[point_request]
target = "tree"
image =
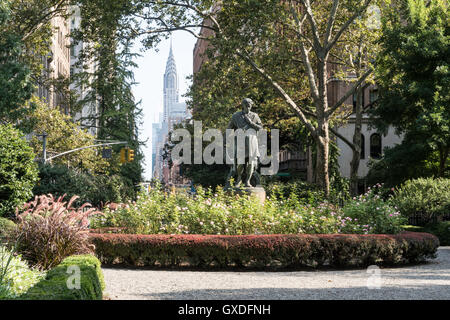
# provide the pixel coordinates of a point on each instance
(18, 171)
(63, 135)
(413, 76)
(361, 48)
(31, 22)
(109, 84)
(313, 32)
(15, 81)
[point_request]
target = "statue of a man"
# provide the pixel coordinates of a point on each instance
(245, 120)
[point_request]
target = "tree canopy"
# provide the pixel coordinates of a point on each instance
(16, 84)
(413, 79)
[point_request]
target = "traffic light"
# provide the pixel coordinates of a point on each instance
(130, 155)
(123, 155)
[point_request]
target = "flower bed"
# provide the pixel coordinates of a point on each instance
(221, 213)
(261, 251)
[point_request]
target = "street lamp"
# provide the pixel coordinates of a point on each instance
(44, 136)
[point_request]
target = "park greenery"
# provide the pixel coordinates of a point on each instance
(299, 37)
(413, 80)
(220, 212)
(18, 170)
(283, 55)
(15, 81)
(16, 277)
(63, 134)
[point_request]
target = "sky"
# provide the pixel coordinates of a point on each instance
(149, 88)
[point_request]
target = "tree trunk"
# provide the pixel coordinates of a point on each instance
(356, 157)
(323, 139)
(443, 155)
(322, 177)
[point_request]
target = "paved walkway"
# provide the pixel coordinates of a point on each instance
(426, 281)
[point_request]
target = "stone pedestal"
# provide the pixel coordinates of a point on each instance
(257, 192)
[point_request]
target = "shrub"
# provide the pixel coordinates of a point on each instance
(440, 230)
(429, 198)
(95, 189)
(50, 230)
(54, 286)
(260, 251)
(16, 277)
(307, 193)
(6, 228)
(18, 171)
(373, 214)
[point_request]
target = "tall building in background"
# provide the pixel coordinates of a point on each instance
(87, 115)
(56, 65)
(175, 112)
(171, 91)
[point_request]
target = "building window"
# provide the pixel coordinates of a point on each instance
(363, 146)
(373, 95)
(375, 146)
(355, 100)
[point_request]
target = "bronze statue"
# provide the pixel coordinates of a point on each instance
(245, 120)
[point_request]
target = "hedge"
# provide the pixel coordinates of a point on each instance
(264, 251)
(54, 286)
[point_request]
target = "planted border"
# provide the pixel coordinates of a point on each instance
(54, 286)
(262, 251)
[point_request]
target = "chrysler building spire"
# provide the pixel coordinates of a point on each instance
(171, 90)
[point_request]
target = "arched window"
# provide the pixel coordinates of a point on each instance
(375, 146)
(363, 146)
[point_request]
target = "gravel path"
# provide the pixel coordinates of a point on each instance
(427, 281)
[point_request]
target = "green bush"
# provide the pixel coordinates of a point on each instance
(18, 171)
(6, 228)
(261, 251)
(54, 286)
(307, 193)
(440, 230)
(16, 277)
(94, 189)
(428, 198)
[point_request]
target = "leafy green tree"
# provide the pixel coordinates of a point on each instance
(311, 32)
(413, 77)
(63, 134)
(31, 21)
(15, 81)
(95, 189)
(223, 80)
(18, 171)
(108, 47)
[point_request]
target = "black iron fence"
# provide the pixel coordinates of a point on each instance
(419, 220)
